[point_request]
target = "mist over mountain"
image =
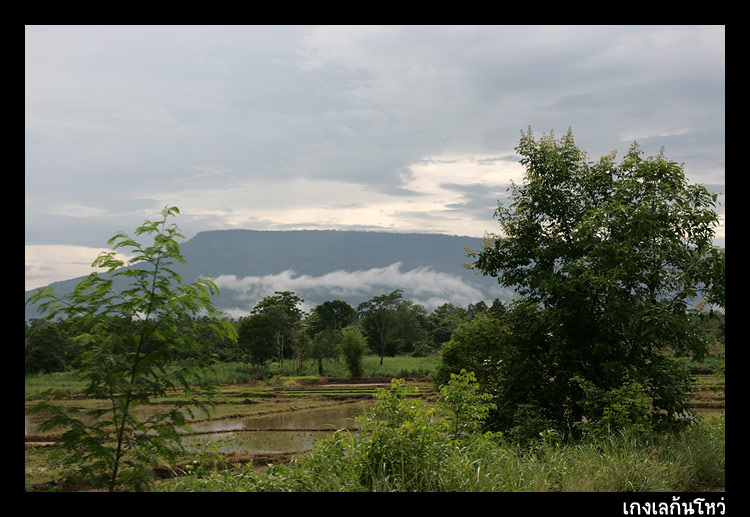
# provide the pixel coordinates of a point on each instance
(322, 265)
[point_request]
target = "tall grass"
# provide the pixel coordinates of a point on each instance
(621, 462)
(617, 462)
(240, 372)
(400, 366)
(393, 367)
(63, 380)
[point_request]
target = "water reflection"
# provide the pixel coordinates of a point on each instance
(288, 431)
(261, 442)
(320, 419)
(32, 422)
(292, 431)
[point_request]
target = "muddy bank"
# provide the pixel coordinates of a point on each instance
(163, 473)
(374, 381)
(225, 462)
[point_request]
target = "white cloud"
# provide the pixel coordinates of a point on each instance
(464, 169)
(77, 210)
(52, 263)
(337, 204)
(423, 285)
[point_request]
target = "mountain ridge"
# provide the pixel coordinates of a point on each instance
(322, 265)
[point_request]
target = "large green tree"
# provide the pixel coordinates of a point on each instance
(282, 313)
(377, 317)
(324, 326)
(444, 320)
(129, 339)
(257, 337)
(393, 324)
(331, 315)
(611, 259)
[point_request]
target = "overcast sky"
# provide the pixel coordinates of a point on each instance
(396, 128)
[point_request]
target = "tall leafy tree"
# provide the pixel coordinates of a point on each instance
(257, 337)
(411, 329)
(614, 257)
(283, 314)
(379, 319)
(130, 338)
(444, 320)
(324, 326)
(331, 315)
(286, 301)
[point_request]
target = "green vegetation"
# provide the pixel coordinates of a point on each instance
(353, 348)
(404, 447)
(689, 460)
(392, 324)
(127, 343)
(606, 259)
(393, 367)
(591, 380)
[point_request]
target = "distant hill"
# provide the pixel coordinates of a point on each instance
(320, 265)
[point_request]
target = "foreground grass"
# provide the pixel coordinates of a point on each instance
(692, 460)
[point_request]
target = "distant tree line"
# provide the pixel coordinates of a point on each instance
(277, 329)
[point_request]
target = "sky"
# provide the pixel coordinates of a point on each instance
(387, 128)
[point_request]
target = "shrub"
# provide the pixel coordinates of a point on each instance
(626, 407)
(468, 407)
(353, 346)
(404, 444)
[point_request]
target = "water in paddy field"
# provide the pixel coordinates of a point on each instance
(291, 431)
(287, 431)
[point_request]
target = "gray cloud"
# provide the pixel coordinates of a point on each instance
(121, 119)
(478, 199)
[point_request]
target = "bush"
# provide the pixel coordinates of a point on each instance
(475, 346)
(467, 406)
(353, 346)
(626, 407)
(404, 443)
(421, 349)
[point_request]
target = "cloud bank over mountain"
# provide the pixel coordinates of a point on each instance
(320, 266)
(422, 285)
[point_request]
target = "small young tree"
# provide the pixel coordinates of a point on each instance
(129, 341)
(468, 406)
(403, 441)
